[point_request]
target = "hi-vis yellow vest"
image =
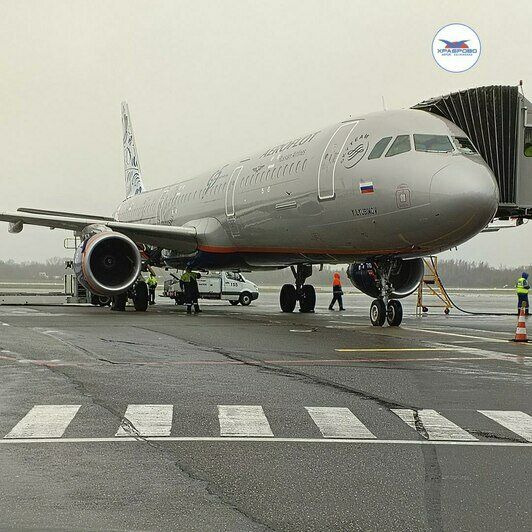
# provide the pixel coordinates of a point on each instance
(520, 286)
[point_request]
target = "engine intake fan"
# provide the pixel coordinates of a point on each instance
(107, 263)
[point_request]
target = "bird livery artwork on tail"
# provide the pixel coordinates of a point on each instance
(134, 184)
(328, 197)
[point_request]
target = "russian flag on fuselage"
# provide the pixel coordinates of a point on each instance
(367, 187)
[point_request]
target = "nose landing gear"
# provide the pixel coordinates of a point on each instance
(304, 293)
(383, 308)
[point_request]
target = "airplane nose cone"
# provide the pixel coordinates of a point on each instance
(464, 196)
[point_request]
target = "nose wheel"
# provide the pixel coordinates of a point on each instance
(380, 313)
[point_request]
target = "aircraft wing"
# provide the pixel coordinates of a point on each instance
(178, 238)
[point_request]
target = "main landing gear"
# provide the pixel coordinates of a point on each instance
(383, 308)
(304, 293)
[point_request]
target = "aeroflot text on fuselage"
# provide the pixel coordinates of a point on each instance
(292, 144)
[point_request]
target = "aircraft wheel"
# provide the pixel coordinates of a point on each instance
(104, 301)
(245, 299)
(377, 313)
(394, 313)
(233, 302)
(308, 299)
(140, 297)
(119, 302)
(287, 298)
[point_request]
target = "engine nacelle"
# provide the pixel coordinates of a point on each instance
(107, 263)
(405, 277)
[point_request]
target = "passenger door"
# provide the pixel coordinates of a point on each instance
(329, 158)
(230, 212)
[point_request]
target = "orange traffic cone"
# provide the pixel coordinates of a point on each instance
(520, 331)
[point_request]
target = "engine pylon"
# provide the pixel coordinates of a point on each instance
(520, 331)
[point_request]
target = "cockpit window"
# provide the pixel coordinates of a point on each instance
(528, 142)
(400, 145)
(465, 145)
(379, 148)
(433, 143)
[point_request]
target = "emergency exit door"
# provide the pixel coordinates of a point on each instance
(329, 159)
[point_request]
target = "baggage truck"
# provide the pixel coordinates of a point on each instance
(230, 286)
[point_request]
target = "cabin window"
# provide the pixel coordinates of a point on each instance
(465, 145)
(400, 145)
(528, 142)
(379, 148)
(433, 143)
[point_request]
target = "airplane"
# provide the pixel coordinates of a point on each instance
(378, 192)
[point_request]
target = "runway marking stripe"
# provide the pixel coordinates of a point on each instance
(264, 439)
(436, 426)
(338, 422)
(147, 420)
(516, 421)
(393, 349)
(248, 421)
(44, 421)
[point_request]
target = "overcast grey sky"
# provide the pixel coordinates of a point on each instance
(209, 81)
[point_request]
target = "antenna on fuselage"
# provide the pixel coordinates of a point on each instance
(383, 104)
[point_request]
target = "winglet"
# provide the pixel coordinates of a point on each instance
(134, 184)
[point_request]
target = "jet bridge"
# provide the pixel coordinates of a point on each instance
(498, 119)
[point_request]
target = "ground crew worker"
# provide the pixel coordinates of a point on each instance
(152, 285)
(189, 283)
(522, 288)
(337, 292)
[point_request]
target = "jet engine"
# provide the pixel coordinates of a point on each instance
(405, 277)
(107, 263)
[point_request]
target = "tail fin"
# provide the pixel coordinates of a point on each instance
(134, 184)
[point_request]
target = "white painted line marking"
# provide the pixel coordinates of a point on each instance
(394, 349)
(44, 421)
(516, 421)
(147, 420)
(338, 422)
(249, 421)
(458, 335)
(6, 325)
(265, 440)
(436, 426)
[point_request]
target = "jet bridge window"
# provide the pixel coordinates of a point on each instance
(528, 142)
(465, 145)
(400, 145)
(379, 148)
(433, 143)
